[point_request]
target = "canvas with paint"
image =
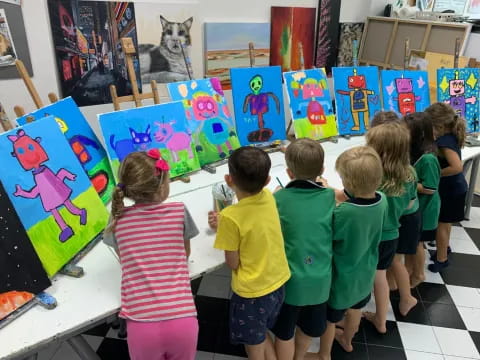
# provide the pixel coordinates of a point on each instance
(8, 54)
(258, 104)
(292, 37)
(357, 98)
(83, 141)
(162, 127)
(227, 47)
(52, 195)
(405, 92)
(209, 120)
(310, 104)
(460, 89)
(21, 273)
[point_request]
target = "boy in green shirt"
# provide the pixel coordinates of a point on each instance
(306, 215)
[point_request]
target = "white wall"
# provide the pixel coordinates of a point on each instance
(13, 92)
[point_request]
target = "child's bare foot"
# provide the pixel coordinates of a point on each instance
(311, 356)
(372, 317)
(339, 336)
(406, 305)
(340, 324)
(416, 280)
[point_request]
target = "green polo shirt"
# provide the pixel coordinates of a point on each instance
(306, 216)
(411, 189)
(357, 231)
(428, 171)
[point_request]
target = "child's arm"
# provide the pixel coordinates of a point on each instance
(213, 220)
(190, 230)
(232, 258)
(424, 191)
(455, 165)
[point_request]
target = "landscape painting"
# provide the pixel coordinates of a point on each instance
(162, 127)
(227, 47)
(52, 195)
(310, 104)
(208, 118)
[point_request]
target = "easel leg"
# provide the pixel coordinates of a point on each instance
(82, 348)
(471, 187)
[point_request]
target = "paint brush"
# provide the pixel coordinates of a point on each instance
(280, 183)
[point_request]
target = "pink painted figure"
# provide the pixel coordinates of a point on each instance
(53, 192)
(174, 141)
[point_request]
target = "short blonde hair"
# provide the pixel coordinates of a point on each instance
(360, 169)
(305, 159)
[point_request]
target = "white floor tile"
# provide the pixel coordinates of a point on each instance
(455, 342)
(93, 341)
(371, 308)
(430, 277)
(314, 346)
(65, 352)
(215, 286)
(471, 318)
(227, 357)
(418, 337)
(202, 355)
(474, 221)
(223, 271)
(463, 246)
(418, 355)
(465, 296)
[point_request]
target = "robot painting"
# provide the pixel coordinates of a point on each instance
(258, 103)
(460, 89)
(405, 92)
(310, 104)
(357, 98)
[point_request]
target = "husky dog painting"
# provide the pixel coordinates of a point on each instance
(165, 62)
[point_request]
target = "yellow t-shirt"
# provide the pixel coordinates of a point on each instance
(252, 227)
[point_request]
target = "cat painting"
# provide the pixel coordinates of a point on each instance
(139, 142)
(165, 63)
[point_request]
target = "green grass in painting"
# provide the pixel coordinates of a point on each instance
(304, 129)
(209, 154)
(185, 165)
(104, 165)
(44, 235)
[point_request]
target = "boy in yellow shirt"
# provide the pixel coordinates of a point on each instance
(251, 236)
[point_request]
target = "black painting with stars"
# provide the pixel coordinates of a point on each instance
(21, 273)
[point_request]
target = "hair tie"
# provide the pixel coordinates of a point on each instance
(160, 165)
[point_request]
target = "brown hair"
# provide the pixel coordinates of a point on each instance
(392, 143)
(360, 169)
(305, 159)
(249, 168)
(445, 120)
(421, 135)
(139, 180)
(384, 117)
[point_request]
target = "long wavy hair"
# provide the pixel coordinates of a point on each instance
(421, 135)
(445, 120)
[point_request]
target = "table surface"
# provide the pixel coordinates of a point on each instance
(95, 296)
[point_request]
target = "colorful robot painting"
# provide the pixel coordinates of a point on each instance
(208, 119)
(310, 104)
(357, 98)
(258, 104)
(405, 92)
(460, 89)
(83, 142)
(56, 203)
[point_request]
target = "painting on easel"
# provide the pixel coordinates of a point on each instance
(83, 141)
(405, 91)
(460, 89)
(21, 272)
(209, 120)
(7, 47)
(162, 127)
(258, 102)
(51, 193)
(357, 98)
(310, 104)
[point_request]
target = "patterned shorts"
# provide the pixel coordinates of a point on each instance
(250, 319)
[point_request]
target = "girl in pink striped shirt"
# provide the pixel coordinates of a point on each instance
(152, 239)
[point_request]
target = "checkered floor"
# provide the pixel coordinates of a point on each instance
(445, 325)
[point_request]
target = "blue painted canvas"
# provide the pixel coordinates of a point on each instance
(460, 89)
(405, 92)
(357, 98)
(310, 104)
(258, 104)
(56, 203)
(208, 118)
(83, 141)
(162, 127)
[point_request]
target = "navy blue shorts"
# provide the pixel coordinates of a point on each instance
(386, 253)
(251, 318)
(410, 231)
(335, 316)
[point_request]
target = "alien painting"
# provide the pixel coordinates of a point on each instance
(83, 141)
(162, 127)
(258, 104)
(405, 92)
(208, 118)
(357, 98)
(54, 199)
(310, 104)
(460, 89)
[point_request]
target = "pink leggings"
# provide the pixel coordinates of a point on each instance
(163, 340)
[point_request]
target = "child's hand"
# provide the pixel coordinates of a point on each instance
(213, 220)
(278, 188)
(323, 181)
(340, 196)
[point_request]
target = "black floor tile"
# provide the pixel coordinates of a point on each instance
(113, 349)
(443, 315)
(100, 330)
(396, 294)
(476, 201)
(436, 293)
(417, 315)
(359, 352)
(207, 335)
(212, 310)
(195, 284)
(474, 235)
(476, 339)
(391, 338)
(455, 275)
(223, 345)
(382, 353)
(458, 260)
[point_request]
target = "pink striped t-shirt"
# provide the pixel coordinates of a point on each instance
(155, 278)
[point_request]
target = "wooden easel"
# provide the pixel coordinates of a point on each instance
(302, 67)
